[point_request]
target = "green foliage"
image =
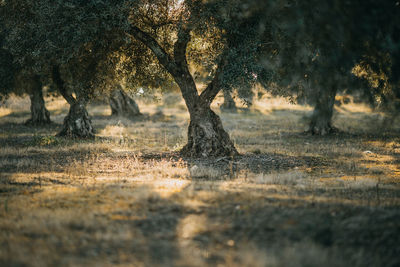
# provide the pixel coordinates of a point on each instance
(294, 48)
(312, 46)
(58, 31)
(7, 72)
(87, 39)
(7, 68)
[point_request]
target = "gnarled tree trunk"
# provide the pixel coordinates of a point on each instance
(229, 103)
(123, 105)
(321, 119)
(206, 135)
(77, 123)
(39, 114)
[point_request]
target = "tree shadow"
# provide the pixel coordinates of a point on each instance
(137, 221)
(17, 115)
(229, 167)
(16, 128)
(275, 224)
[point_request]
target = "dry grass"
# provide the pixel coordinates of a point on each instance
(128, 199)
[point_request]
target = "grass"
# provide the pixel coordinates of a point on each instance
(128, 199)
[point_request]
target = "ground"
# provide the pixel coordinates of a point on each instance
(127, 198)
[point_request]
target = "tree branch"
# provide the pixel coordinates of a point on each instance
(213, 88)
(156, 48)
(61, 85)
(181, 45)
(178, 66)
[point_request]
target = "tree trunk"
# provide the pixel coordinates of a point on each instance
(206, 136)
(123, 105)
(77, 124)
(321, 119)
(229, 103)
(39, 114)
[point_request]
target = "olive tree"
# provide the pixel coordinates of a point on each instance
(188, 20)
(379, 65)
(68, 39)
(122, 104)
(311, 48)
(7, 73)
(84, 45)
(14, 79)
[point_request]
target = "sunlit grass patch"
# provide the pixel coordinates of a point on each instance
(5, 111)
(288, 178)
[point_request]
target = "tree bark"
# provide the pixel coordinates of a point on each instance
(59, 82)
(123, 105)
(321, 119)
(39, 114)
(229, 103)
(206, 136)
(77, 124)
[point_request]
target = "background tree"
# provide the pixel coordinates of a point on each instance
(7, 72)
(380, 65)
(122, 104)
(69, 39)
(18, 81)
(14, 79)
(229, 103)
(32, 84)
(85, 47)
(310, 48)
(307, 54)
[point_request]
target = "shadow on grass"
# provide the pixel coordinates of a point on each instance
(17, 115)
(228, 167)
(127, 223)
(281, 227)
(339, 234)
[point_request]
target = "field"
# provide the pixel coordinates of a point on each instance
(127, 198)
